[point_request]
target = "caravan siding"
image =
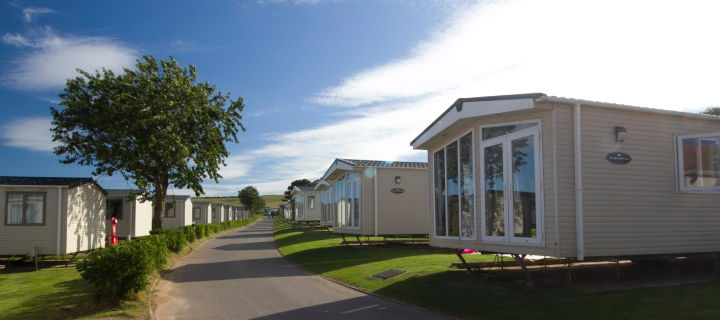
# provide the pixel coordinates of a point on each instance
(17, 240)
(404, 213)
(565, 184)
(86, 222)
(143, 218)
(634, 208)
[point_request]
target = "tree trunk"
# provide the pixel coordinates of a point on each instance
(159, 204)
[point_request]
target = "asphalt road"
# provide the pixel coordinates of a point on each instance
(241, 275)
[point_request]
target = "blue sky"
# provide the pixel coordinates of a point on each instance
(350, 79)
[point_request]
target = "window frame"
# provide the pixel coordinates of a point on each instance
(456, 139)
(311, 205)
(166, 215)
(680, 164)
(24, 217)
(540, 197)
(213, 212)
(122, 203)
(199, 210)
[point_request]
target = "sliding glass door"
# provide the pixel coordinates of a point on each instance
(511, 188)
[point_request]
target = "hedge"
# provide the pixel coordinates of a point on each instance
(116, 271)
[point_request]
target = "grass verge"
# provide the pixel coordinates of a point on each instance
(60, 293)
(430, 284)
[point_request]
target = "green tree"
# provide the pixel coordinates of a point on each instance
(250, 197)
(155, 126)
(299, 183)
(713, 111)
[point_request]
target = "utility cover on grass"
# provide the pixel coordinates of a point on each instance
(388, 274)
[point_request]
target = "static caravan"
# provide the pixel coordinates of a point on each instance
(243, 212)
(217, 210)
(134, 218)
(306, 203)
(227, 210)
(585, 179)
(290, 210)
(178, 212)
(55, 215)
(326, 207)
(378, 198)
(216, 215)
(201, 212)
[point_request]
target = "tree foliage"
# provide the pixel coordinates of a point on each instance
(713, 111)
(250, 197)
(155, 126)
(299, 183)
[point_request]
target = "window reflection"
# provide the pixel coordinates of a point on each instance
(494, 191)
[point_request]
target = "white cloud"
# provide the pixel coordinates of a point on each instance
(29, 133)
(53, 58)
(31, 12)
(641, 52)
(651, 54)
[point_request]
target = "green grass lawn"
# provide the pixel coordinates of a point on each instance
(271, 201)
(430, 284)
(48, 294)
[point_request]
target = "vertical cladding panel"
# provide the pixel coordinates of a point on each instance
(86, 224)
(143, 218)
(17, 240)
(634, 208)
(565, 163)
(407, 212)
(187, 213)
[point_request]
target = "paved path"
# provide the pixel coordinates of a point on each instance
(240, 275)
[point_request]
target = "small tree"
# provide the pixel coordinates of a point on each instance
(250, 197)
(713, 111)
(298, 183)
(154, 126)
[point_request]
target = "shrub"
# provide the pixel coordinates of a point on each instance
(117, 270)
(175, 239)
(199, 231)
(189, 233)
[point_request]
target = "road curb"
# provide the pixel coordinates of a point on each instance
(347, 285)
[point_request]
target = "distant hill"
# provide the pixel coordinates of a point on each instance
(272, 201)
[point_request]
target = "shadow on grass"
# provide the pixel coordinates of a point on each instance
(68, 299)
(459, 294)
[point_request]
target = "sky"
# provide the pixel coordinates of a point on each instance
(326, 79)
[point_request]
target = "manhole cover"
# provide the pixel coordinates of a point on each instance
(388, 274)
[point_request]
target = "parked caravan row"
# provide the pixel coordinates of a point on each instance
(68, 215)
(539, 175)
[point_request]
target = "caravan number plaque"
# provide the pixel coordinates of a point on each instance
(618, 158)
(397, 190)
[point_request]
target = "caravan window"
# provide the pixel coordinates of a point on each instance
(113, 208)
(699, 162)
(311, 202)
(196, 213)
(454, 189)
(25, 209)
